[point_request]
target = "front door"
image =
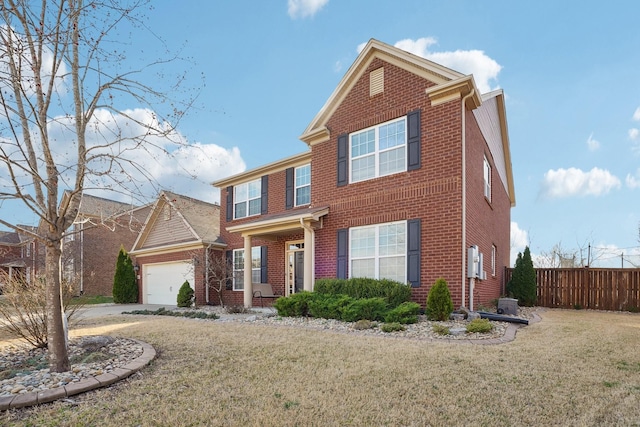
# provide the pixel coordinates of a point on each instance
(295, 267)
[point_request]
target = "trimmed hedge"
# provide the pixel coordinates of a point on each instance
(405, 313)
(394, 293)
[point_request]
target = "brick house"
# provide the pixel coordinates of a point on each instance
(180, 237)
(407, 167)
(91, 245)
(18, 254)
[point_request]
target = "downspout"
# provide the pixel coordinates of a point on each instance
(464, 195)
(206, 274)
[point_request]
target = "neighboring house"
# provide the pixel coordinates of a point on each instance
(408, 165)
(180, 236)
(18, 254)
(91, 245)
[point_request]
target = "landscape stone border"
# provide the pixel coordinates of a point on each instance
(87, 384)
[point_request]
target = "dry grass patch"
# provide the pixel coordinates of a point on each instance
(573, 368)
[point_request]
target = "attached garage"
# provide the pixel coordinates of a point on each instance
(161, 282)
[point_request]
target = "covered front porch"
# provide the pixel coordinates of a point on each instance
(299, 255)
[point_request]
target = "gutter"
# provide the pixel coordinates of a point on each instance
(464, 195)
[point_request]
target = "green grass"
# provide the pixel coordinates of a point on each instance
(89, 300)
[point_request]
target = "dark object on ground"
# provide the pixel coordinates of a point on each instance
(508, 306)
(501, 318)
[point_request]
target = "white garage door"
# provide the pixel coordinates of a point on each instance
(162, 281)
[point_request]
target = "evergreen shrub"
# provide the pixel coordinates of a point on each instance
(439, 303)
(405, 313)
(365, 308)
(522, 285)
(125, 286)
(395, 293)
(296, 305)
(185, 295)
(328, 306)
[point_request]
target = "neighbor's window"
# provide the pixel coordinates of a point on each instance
(303, 185)
(379, 251)
(246, 199)
(238, 267)
(379, 150)
(487, 179)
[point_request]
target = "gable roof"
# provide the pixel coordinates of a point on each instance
(196, 222)
(450, 80)
(100, 207)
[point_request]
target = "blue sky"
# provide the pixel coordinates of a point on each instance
(570, 71)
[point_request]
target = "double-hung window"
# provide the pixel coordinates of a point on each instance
(247, 199)
(379, 251)
(378, 151)
(487, 179)
(238, 267)
(303, 185)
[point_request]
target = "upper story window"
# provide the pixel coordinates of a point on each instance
(487, 179)
(378, 151)
(247, 199)
(303, 185)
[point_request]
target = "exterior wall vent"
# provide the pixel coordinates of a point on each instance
(376, 81)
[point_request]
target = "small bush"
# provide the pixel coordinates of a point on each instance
(125, 286)
(395, 293)
(522, 285)
(328, 306)
(235, 309)
(392, 327)
(439, 303)
(405, 313)
(365, 308)
(364, 324)
(185, 295)
(440, 329)
(479, 325)
(295, 305)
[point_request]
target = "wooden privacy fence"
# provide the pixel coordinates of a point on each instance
(595, 288)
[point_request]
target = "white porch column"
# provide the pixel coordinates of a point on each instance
(309, 258)
(248, 286)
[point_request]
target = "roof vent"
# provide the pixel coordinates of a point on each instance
(376, 81)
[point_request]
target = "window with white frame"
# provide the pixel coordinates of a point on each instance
(378, 151)
(493, 259)
(487, 179)
(246, 199)
(303, 185)
(379, 251)
(238, 267)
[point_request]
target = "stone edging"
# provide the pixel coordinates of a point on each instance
(87, 384)
(509, 334)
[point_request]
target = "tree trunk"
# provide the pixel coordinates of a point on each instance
(56, 332)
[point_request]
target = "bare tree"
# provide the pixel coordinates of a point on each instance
(219, 272)
(62, 80)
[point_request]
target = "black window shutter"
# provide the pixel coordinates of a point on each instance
(230, 203)
(343, 250)
(229, 259)
(263, 265)
(413, 140)
(289, 188)
(264, 186)
(413, 252)
(343, 160)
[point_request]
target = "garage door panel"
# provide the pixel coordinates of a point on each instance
(163, 281)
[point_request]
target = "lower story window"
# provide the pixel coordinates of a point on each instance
(238, 267)
(379, 251)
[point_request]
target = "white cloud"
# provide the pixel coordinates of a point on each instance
(633, 181)
(592, 143)
(636, 115)
(485, 70)
(634, 133)
(519, 240)
(145, 162)
(304, 8)
(575, 182)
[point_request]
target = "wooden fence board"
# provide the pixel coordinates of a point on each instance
(595, 288)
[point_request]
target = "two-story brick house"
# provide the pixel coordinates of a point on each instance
(407, 166)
